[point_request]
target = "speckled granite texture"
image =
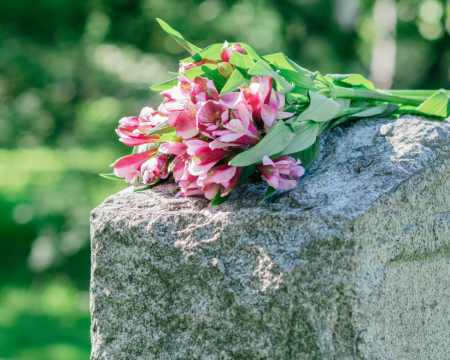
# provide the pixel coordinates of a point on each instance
(349, 265)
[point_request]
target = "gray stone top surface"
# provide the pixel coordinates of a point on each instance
(299, 277)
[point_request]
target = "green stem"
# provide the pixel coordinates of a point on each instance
(424, 94)
(348, 93)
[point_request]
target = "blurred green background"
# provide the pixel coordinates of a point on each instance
(70, 69)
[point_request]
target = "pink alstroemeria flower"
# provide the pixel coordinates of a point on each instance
(149, 118)
(263, 101)
(182, 102)
(172, 148)
(179, 166)
(226, 51)
(281, 173)
(256, 96)
(223, 178)
(128, 166)
(155, 168)
(131, 134)
(209, 118)
(184, 121)
(274, 109)
(189, 188)
(203, 157)
(239, 130)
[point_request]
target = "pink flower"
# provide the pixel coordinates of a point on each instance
(131, 134)
(182, 102)
(274, 109)
(203, 157)
(230, 100)
(155, 168)
(262, 100)
(179, 167)
(203, 89)
(184, 121)
(239, 130)
(281, 173)
(128, 166)
(226, 51)
(223, 178)
(189, 188)
(256, 96)
(149, 118)
(172, 148)
(210, 116)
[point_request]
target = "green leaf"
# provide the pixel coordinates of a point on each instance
(355, 80)
(211, 52)
(301, 81)
(246, 173)
(345, 103)
(318, 77)
(274, 142)
(242, 62)
(145, 147)
(111, 177)
(234, 82)
(305, 136)
(269, 192)
(308, 156)
(283, 61)
(178, 37)
(162, 128)
(165, 85)
(169, 137)
(436, 105)
(320, 109)
(209, 71)
(218, 199)
(252, 53)
(380, 110)
(263, 69)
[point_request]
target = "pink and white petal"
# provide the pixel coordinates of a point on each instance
(268, 161)
(216, 144)
(297, 172)
(198, 169)
(223, 173)
(280, 97)
(244, 115)
(210, 191)
(186, 132)
(131, 163)
(229, 100)
(230, 137)
(172, 148)
(286, 184)
(271, 178)
(193, 192)
(283, 115)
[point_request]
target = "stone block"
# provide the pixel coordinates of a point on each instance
(351, 264)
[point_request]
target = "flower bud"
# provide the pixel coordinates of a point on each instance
(225, 69)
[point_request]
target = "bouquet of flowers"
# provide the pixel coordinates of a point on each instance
(231, 112)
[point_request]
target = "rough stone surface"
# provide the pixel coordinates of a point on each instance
(349, 265)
